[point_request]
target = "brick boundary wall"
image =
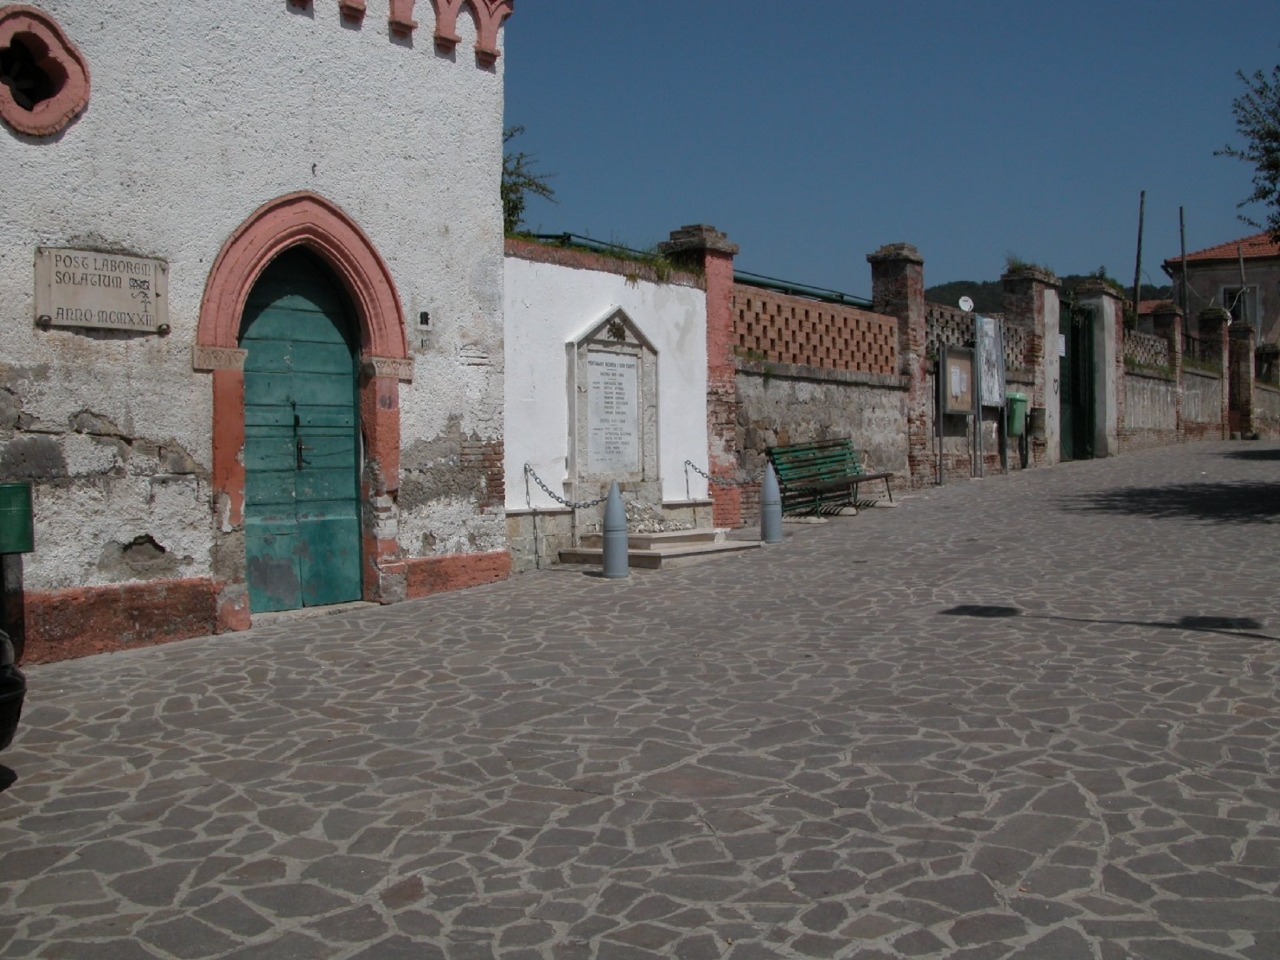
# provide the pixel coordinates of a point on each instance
(1147, 350)
(946, 327)
(780, 328)
(1016, 340)
(1266, 410)
(578, 259)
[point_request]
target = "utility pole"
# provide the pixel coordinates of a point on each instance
(1186, 294)
(1137, 270)
(1242, 298)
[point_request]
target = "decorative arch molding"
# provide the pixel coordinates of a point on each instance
(303, 219)
(308, 220)
(488, 15)
(53, 55)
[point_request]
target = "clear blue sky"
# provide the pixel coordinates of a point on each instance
(814, 132)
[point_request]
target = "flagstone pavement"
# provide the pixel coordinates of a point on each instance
(1025, 717)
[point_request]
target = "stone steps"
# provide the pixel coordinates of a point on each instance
(656, 551)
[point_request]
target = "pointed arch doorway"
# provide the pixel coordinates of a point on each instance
(301, 445)
(354, 275)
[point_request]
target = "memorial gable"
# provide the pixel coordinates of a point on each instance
(614, 407)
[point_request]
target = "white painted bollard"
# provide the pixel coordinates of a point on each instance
(616, 564)
(770, 507)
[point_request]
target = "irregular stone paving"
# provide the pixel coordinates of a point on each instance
(807, 751)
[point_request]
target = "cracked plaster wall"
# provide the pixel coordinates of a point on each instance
(199, 114)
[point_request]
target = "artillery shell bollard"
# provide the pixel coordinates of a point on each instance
(615, 535)
(770, 507)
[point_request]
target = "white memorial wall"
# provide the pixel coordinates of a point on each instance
(555, 325)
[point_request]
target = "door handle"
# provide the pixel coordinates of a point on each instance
(299, 446)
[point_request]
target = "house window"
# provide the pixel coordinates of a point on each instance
(1241, 303)
(28, 83)
(44, 81)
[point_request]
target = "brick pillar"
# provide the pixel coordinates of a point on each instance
(897, 290)
(1243, 344)
(1031, 302)
(1213, 331)
(708, 250)
(1166, 322)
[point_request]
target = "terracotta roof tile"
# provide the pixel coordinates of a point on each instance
(1258, 246)
(1149, 306)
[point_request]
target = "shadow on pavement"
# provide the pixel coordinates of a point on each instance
(8, 777)
(1224, 626)
(1269, 454)
(1211, 502)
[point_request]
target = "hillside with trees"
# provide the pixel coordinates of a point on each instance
(988, 295)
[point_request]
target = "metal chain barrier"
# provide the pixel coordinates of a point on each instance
(571, 504)
(717, 480)
(583, 504)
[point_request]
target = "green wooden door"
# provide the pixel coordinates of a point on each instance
(1075, 377)
(301, 451)
(1066, 401)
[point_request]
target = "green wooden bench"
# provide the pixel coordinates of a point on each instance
(821, 476)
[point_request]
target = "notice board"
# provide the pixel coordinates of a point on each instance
(957, 380)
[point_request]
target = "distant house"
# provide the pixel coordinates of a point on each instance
(1214, 280)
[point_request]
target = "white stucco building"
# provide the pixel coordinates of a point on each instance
(606, 379)
(195, 197)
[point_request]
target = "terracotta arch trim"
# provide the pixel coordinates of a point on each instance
(488, 15)
(58, 57)
(308, 220)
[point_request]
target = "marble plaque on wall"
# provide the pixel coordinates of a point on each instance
(613, 413)
(110, 291)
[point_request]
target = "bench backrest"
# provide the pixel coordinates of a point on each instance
(803, 463)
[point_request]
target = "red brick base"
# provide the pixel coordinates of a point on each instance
(428, 575)
(76, 622)
(726, 511)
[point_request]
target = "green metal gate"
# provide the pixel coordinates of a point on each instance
(301, 452)
(1076, 382)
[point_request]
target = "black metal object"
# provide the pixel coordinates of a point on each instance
(13, 619)
(13, 690)
(17, 536)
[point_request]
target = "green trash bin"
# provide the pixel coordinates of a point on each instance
(16, 533)
(1017, 413)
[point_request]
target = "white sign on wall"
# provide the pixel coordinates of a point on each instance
(990, 334)
(613, 413)
(112, 291)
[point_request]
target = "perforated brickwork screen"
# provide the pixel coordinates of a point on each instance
(1146, 350)
(784, 329)
(1015, 347)
(950, 327)
(946, 327)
